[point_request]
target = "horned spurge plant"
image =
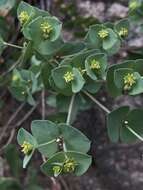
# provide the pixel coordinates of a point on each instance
(72, 73)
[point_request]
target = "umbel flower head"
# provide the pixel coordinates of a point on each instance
(46, 29)
(68, 76)
(129, 81)
(23, 17)
(69, 165)
(26, 147)
(123, 32)
(103, 33)
(95, 64)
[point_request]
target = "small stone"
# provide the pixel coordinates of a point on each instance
(117, 10)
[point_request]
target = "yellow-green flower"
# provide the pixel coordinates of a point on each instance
(68, 76)
(69, 165)
(129, 81)
(46, 29)
(103, 33)
(123, 32)
(23, 17)
(95, 64)
(26, 147)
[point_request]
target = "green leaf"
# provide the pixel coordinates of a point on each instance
(121, 120)
(45, 133)
(69, 48)
(135, 122)
(83, 162)
(111, 39)
(12, 157)
(19, 92)
(74, 139)
(27, 53)
(92, 38)
(58, 117)
(92, 86)
(49, 48)
(22, 136)
(115, 48)
(102, 61)
(78, 81)
(24, 84)
(115, 121)
(27, 159)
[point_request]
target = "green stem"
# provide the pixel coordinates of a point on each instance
(134, 133)
(97, 102)
(44, 144)
(70, 110)
(12, 45)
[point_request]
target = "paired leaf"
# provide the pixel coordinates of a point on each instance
(118, 122)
